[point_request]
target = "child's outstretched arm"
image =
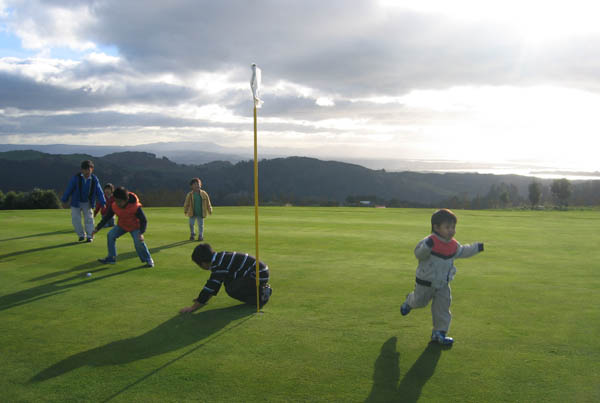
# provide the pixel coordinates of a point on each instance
(423, 248)
(465, 251)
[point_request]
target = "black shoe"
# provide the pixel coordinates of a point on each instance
(89, 240)
(108, 260)
(81, 238)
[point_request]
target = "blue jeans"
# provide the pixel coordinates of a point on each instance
(200, 226)
(140, 246)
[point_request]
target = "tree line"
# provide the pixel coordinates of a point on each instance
(504, 195)
(297, 181)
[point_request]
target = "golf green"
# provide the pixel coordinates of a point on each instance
(525, 312)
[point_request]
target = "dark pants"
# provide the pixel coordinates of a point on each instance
(244, 289)
(110, 223)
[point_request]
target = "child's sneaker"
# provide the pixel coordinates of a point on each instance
(440, 337)
(405, 309)
(192, 237)
(266, 293)
(108, 260)
(150, 263)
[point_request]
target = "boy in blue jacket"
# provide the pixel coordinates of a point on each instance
(436, 255)
(85, 190)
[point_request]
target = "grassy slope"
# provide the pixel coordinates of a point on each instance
(525, 313)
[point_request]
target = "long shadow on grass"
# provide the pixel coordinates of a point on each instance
(387, 373)
(177, 332)
(88, 265)
(23, 252)
(65, 231)
(56, 287)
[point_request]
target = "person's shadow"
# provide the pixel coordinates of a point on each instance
(179, 331)
(387, 374)
(56, 287)
(65, 231)
(94, 263)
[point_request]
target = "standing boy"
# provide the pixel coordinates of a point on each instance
(436, 255)
(236, 270)
(197, 206)
(84, 189)
(109, 188)
(132, 219)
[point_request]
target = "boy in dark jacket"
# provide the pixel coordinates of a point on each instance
(132, 219)
(237, 271)
(84, 190)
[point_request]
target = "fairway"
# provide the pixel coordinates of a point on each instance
(526, 314)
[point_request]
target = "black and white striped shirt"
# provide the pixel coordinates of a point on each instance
(227, 267)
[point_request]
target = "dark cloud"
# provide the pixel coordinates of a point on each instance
(345, 47)
(17, 91)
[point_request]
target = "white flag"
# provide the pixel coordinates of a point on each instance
(255, 85)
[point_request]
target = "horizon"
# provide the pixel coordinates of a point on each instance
(406, 79)
(182, 156)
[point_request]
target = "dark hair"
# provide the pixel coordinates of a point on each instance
(202, 253)
(109, 185)
(121, 193)
(441, 216)
(196, 180)
(87, 164)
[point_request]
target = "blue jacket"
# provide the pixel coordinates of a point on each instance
(74, 191)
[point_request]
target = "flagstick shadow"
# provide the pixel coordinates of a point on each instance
(175, 333)
(387, 373)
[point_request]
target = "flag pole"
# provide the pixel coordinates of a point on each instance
(255, 86)
(256, 213)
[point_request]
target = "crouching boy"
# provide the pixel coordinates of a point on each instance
(128, 209)
(237, 271)
(436, 255)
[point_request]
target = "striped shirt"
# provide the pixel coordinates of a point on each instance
(227, 267)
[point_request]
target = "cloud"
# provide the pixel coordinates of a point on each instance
(348, 72)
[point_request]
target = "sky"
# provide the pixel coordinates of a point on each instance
(481, 81)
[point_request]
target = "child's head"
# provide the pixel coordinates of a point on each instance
(121, 196)
(87, 167)
(202, 255)
(109, 188)
(196, 184)
(444, 222)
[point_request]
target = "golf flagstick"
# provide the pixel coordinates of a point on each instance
(255, 85)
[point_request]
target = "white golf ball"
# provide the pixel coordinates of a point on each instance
(88, 274)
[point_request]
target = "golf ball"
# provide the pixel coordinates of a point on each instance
(88, 274)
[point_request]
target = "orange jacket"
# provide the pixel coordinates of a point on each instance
(127, 216)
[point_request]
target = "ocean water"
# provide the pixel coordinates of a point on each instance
(537, 170)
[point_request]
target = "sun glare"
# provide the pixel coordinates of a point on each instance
(535, 21)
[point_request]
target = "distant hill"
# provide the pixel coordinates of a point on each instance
(296, 180)
(180, 152)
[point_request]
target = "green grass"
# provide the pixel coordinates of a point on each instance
(526, 312)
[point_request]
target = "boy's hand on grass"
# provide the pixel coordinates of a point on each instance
(192, 308)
